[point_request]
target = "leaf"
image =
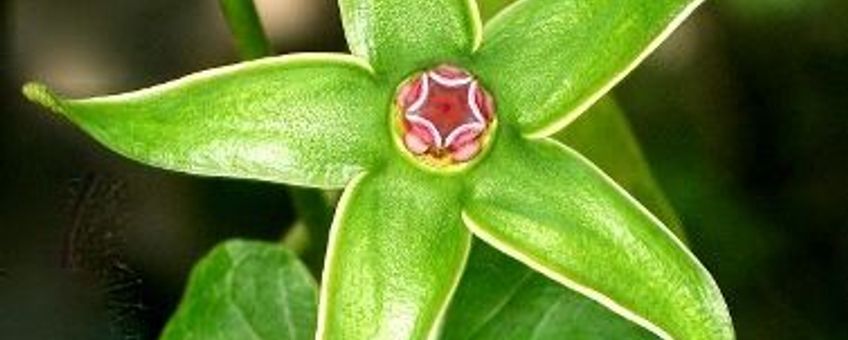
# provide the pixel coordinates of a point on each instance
(400, 36)
(287, 119)
(547, 61)
(397, 249)
(503, 298)
(603, 134)
(500, 298)
(563, 217)
(246, 290)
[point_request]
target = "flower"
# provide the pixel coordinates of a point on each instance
(444, 113)
(422, 183)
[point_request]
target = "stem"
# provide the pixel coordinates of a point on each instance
(310, 204)
(316, 216)
(247, 31)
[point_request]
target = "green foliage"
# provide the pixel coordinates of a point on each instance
(501, 298)
(400, 237)
(247, 290)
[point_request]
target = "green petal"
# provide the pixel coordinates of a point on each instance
(246, 290)
(489, 8)
(500, 298)
(548, 207)
(396, 252)
(400, 36)
(547, 61)
(312, 120)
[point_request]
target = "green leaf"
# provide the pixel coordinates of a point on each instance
(500, 298)
(246, 290)
(547, 61)
(551, 209)
(399, 36)
(603, 134)
(310, 120)
(397, 249)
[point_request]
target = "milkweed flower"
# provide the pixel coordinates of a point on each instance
(437, 130)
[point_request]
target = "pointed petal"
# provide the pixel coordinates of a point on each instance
(312, 120)
(396, 253)
(563, 217)
(604, 135)
(399, 36)
(547, 61)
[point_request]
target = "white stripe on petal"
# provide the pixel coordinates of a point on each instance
(475, 126)
(472, 103)
(422, 96)
(437, 137)
(449, 82)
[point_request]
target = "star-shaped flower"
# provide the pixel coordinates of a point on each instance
(437, 129)
(445, 111)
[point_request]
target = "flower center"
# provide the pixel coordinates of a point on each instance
(445, 114)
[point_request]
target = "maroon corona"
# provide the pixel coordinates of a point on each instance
(445, 114)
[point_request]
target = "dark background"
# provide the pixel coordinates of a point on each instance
(743, 115)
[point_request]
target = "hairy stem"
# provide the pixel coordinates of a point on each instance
(246, 28)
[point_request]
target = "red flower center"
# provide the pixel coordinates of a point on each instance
(445, 112)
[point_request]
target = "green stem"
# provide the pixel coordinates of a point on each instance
(316, 215)
(246, 28)
(310, 204)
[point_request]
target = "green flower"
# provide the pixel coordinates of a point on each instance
(411, 208)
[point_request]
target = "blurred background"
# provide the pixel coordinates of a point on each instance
(743, 115)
